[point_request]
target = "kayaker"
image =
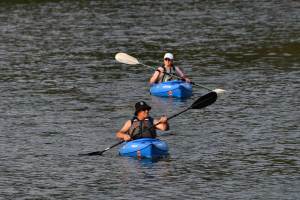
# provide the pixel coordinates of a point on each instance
(168, 67)
(139, 125)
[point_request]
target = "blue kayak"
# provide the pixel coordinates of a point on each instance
(176, 88)
(144, 148)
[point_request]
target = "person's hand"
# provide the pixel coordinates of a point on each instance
(126, 137)
(187, 80)
(163, 119)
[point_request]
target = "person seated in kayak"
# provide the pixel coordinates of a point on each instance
(160, 75)
(140, 125)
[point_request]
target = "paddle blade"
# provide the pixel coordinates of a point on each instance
(126, 59)
(219, 91)
(205, 100)
(99, 153)
(95, 153)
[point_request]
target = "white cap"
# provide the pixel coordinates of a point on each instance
(169, 55)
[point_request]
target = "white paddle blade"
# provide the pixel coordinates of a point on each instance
(219, 91)
(126, 59)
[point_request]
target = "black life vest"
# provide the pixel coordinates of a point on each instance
(140, 128)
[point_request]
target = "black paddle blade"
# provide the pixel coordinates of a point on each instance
(99, 153)
(205, 100)
(95, 153)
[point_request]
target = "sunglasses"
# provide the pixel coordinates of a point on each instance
(167, 59)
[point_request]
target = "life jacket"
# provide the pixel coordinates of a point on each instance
(140, 129)
(167, 77)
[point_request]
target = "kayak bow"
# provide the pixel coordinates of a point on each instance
(176, 88)
(144, 148)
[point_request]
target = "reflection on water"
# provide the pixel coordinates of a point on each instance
(135, 163)
(165, 105)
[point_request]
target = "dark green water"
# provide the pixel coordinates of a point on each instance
(62, 93)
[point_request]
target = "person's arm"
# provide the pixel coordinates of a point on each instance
(155, 76)
(182, 75)
(122, 134)
(163, 124)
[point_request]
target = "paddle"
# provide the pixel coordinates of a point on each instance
(127, 59)
(202, 102)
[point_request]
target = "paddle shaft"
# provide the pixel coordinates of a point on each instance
(199, 103)
(193, 83)
(127, 59)
(120, 142)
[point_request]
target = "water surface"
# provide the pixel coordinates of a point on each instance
(62, 93)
